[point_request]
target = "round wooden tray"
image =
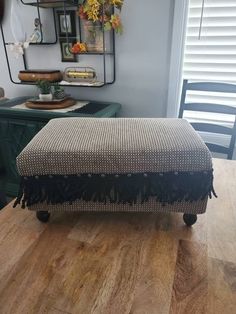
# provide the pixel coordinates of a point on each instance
(68, 102)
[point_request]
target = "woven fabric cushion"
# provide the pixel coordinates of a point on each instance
(145, 164)
(197, 207)
(126, 145)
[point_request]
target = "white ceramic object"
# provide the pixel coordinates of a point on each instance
(45, 97)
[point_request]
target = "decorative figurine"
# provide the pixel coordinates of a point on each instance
(36, 37)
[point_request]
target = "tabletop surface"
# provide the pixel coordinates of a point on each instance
(7, 109)
(122, 263)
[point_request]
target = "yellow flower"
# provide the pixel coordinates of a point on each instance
(83, 47)
(93, 3)
(92, 9)
(92, 15)
(118, 3)
(96, 10)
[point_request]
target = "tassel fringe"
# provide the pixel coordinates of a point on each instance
(166, 188)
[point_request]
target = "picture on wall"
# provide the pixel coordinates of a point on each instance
(67, 23)
(66, 55)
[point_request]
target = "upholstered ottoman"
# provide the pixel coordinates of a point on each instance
(89, 164)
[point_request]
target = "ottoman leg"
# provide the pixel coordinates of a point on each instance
(43, 216)
(189, 219)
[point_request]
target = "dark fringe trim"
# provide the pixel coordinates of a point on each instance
(167, 188)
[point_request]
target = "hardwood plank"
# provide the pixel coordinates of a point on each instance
(15, 239)
(222, 287)
(221, 213)
(139, 263)
(125, 236)
(79, 277)
(34, 271)
(153, 291)
(21, 217)
(190, 284)
(173, 223)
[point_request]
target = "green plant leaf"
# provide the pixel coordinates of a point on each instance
(107, 26)
(44, 86)
(119, 30)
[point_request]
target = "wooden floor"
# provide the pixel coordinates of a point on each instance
(122, 263)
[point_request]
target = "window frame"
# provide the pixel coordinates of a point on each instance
(177, 57)
(176, 67)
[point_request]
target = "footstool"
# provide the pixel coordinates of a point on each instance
(125, 164)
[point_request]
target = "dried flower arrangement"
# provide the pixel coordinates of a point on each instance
(102, 10)
(99, 11)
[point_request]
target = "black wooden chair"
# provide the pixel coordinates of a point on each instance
(211, 108)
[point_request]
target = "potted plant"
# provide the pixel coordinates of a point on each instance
(58, 92)
(45, 90)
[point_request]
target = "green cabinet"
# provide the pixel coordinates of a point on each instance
(19, 126)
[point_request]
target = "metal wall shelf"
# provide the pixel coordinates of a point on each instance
(96, 84)
(65, 4)
(51, 4)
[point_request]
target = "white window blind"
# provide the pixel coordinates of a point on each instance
(212, 57)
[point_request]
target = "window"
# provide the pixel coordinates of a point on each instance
(210, 51)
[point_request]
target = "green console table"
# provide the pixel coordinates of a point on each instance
(19, 126)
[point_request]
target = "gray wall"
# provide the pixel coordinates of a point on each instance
(143, 58)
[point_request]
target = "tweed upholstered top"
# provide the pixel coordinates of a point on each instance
(91, 149)
(87, 145)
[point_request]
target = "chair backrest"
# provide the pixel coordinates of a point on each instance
(211, 108)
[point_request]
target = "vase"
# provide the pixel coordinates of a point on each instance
(45, 97)
(93, 36)
(59, 94)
